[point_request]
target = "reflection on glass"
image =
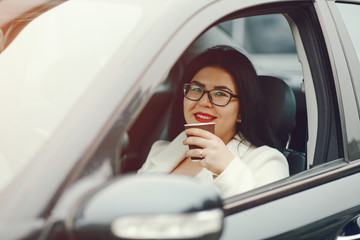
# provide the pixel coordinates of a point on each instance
(351, 17)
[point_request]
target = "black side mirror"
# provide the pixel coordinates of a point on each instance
(149, 206)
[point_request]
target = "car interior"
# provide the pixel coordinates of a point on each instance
(162, 118)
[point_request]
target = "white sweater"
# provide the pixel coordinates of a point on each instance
(252, 167)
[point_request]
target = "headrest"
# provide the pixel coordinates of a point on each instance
(280, 105)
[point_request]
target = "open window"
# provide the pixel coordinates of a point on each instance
(276, 44)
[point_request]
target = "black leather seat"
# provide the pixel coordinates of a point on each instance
(281, 107)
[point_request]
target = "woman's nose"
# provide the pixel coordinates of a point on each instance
(205, 100)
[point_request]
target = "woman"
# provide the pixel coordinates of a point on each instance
(222, 87)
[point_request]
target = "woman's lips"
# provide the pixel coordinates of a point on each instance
(204, 117)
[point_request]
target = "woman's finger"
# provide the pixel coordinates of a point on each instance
(197, 141)
(195, 153)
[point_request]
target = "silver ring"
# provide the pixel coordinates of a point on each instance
(201, 156)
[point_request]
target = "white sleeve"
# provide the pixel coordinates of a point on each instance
(164, 155)
(156, 148)
(261, 166)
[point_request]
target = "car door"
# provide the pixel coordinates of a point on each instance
(320, 202)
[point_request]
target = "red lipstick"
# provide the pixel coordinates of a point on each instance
(204, 117)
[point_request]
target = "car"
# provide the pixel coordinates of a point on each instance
(87, 86)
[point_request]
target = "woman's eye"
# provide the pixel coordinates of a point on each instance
(220, 93)
(196, 89)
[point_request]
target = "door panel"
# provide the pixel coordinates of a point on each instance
(317, 213)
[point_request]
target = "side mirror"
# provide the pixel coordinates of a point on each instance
(149, 206)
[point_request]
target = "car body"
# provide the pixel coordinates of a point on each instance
(86, 87)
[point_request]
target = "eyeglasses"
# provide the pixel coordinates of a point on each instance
(217, 97)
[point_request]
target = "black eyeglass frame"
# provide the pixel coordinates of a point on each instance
(208, 93)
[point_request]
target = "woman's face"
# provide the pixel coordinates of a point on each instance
(201, 111)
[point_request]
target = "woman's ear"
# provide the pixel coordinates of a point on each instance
(238, 119)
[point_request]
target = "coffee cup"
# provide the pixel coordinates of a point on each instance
(206, 126)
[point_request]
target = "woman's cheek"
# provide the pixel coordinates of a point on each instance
(186, 110)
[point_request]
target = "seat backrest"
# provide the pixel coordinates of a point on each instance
(280, 104)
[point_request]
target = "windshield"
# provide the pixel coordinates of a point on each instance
(46, 69)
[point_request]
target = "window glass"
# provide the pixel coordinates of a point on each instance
(351, 17)
(51, 73)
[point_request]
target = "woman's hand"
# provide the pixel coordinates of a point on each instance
(216, 156)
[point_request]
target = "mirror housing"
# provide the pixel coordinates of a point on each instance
(149, 206)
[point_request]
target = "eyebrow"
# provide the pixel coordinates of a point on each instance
(216, 87)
